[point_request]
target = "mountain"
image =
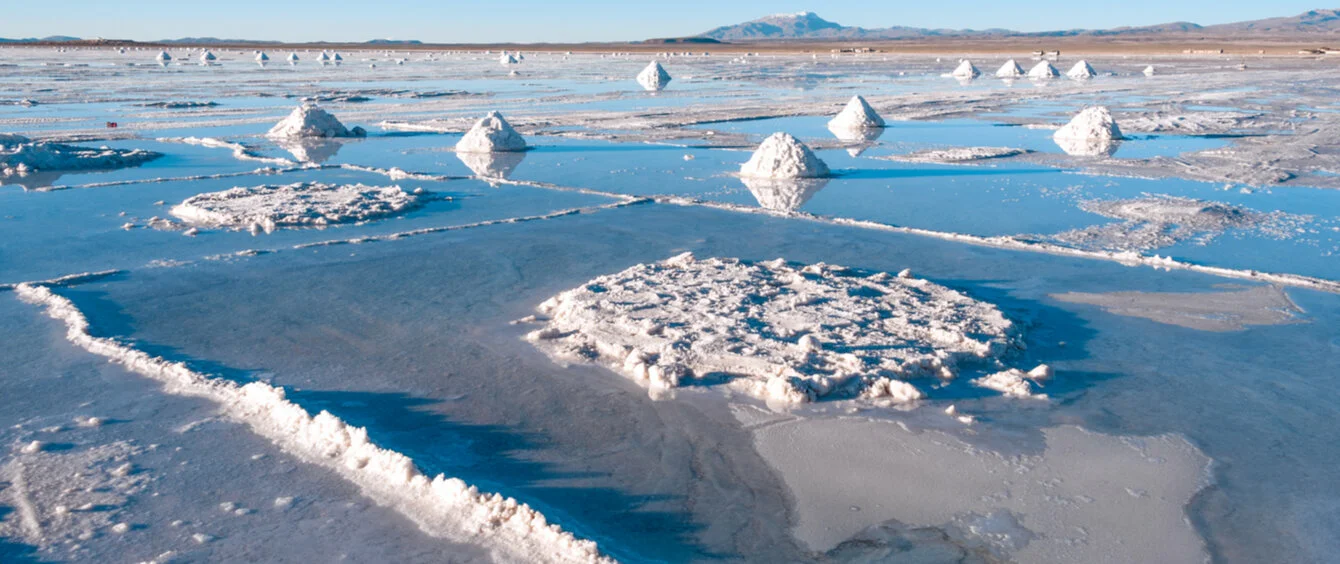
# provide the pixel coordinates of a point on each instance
(50, 39)
(809, 26)
(395, 42)
(212, 41)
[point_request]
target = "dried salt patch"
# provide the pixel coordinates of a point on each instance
(492, 134)
(779, 332)
(1014, 383)
(654, 77)
(856, 115)
(1043, 70)
(283, 502)
(33, 447)
(1081, 70)
(491, 167)
(120, 528)
(1156, 221)
(784, 156)
(960, 154)
(966, 70)
(20, 157)
(266, 208)
(1010, 69)
(309, 120)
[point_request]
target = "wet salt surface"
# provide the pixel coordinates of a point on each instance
(410, 337)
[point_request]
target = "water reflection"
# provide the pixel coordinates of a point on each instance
(1094, 147)
(497, 166)
(311, 150)
(784, 195)
(859, 140)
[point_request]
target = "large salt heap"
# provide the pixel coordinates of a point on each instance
(1081, 70)
(308, 120)
(1092, 132)
(653, 77)
(1010, 69)
(856, 116)
(491, 135)
(1043, 70)
(966, 70)
(784, 156)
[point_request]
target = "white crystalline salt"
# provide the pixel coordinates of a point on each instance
(207, 57)
(491, 135)
(309, 120)
(163, 56)
(1091, 132)
(653, 77)
(784, 156)
(1010, 69)
(266, 208)
(1043, 70)
(20, 156)
(1015, 383)
(966, 70)
(856, 115)
(1081, 70)
(262, 57)
(507, 59)
(1149, 70)
(292, 57)
(772, 330)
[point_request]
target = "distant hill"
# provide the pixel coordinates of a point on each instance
(1315, 21)
(51, 39)
(395, 42)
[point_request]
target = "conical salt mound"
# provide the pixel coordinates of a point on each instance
(207, 57)
(1010, 69)
(262, 57)
(308, 120)
(857, 115)
(1149, 70)
(1043, 70)
(783, 156)
(491, 135)
(323, 57)
(1092, 123)
(292, 57)
(1081, 70)
(507, 59)
(966, 70)
(653, 77)
(164, 56)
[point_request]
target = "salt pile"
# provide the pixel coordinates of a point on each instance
(779, 332)
(653, 77)
(856, 116)
(163, 57)
(266, 208)
(966, 70)
(261, 57)
(323, 57)
(1043, 70)
(507, 59)
(783, 195)
(1092, 132)
(491, 135)
(1149, 70)
(292, 57)
(1081, 70)
(20, 156)
(783, 156)
(1010, 69)
(207, 57)
(309, 120)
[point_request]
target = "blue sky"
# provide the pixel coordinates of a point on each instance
(577, 20)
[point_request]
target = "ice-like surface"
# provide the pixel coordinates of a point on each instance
(492, 134)
(782, 156)
(960, 154)
(779, 332)
(856, 115)
(309, 120)
(1229, 310)
(1010, 69)
(304, 204)
(654, 77)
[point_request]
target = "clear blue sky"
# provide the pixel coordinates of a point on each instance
(577, 20)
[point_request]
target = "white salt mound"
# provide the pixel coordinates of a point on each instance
(1043, 70)
(309, 120)
(266, 208)
(784, 156)
(491, 135)
(207, 57)
(507, 60)
(779, 332)
(292, 57)
(1081, 70)
(262, 57)
(1010, 69)
(966, 70)
(1092, 123)
(857, 115)
(653, 77)
(163, 56)
(1149, 70)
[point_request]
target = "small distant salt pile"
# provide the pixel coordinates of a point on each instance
(653, 77)
(491, 135)
(1010, 69)
(163, 57)
(1081, 70)
(266, 208)
(323, 57)
(1149, 70)
(1092, 132)
(506, 59)
(784, 156)
(1043, 70)
(857, 115)
(292, 57)
(966, 70)
(261, 57)
(308, 120)
(207, 57)
(337, 58)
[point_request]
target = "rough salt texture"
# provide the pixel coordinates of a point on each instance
(775, 331)
(1010, 69)
(1043, 69)
(1081, 70)
(784, 156)
(960, 154)
(856, 115)
(1157, 221)
(966, 70)
(1016, 383)
(653, 77)
(20, 156)
(491, 135)
(266, 208)
(1092, 132)
(309, 120)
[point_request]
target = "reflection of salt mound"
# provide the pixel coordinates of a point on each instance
(1081, 70)
(1010, 69)
(859, 140)
(311, 150)
(35, 164)
(653, 77)
(491, 135)
(966, 70)
(857, 115)
(772, 330)
(308, 120)
(783, 156)
(783, 195)
(491, 166)
(1158, 221)
(1043, 70)
(1092, 132)
(266, 208)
